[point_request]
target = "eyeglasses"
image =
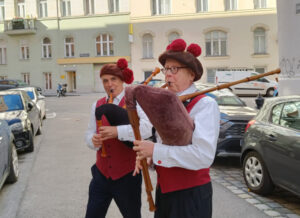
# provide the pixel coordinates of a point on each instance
(173, 70)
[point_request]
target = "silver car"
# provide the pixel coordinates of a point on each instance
(9, 170)
(37, 98)
(17, 105)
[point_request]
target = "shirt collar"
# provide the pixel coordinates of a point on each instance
(187, 91)
(119, 97)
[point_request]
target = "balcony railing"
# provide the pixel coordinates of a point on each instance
(19, 26)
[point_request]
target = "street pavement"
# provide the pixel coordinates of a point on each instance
(54, 179)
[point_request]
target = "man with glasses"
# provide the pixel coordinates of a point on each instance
(184, 188)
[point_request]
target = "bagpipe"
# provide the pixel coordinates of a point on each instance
(168, 115)
(116, 115)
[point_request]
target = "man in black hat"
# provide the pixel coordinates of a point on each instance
(184, 188)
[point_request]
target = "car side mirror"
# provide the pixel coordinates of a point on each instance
(30, 106)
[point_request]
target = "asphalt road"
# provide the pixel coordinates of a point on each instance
(54, 179)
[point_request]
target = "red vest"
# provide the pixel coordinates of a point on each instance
(120, 159)
(176, 178)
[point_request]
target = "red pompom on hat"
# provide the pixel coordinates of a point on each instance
(194, 49)
(178, 45)
(176, 51)
(128, 75)
(122, 63)
(120, 70)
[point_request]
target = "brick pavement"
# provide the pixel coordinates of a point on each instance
(279, 204)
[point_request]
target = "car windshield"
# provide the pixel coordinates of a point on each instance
(30, 94)
(10, 103)
(229, 101)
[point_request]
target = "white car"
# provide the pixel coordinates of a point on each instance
(37, 98)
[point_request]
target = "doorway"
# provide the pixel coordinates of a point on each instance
(71, 81)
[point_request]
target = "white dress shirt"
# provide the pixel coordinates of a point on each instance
(201, 153)
(125, 132)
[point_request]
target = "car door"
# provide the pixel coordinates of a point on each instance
(3, 148)
(33, 113)
(283, 145)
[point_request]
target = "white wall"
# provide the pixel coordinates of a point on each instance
(289, 46)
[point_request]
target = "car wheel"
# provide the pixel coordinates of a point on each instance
(256, 174)
(270, 92)
(14, 165)
(31, 142)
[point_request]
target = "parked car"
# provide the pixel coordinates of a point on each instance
(37, 98)
(15, 83)
(234, 116)
(271, 148)
(18, 105)
(262, 86)
(9, 170)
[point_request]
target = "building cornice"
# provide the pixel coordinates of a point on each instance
(91, 60)
(206, 15)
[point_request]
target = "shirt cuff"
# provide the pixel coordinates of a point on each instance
(160, 152)
(124, 134)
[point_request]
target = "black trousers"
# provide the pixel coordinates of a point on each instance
(126, 192)
(194, 202)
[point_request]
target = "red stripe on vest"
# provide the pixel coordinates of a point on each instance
(176, 178)
(120, 159)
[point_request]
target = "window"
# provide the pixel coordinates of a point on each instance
(104, 45)
(202, 5)
(260, 4)
(230, 5)
(259, 41)
(160, 7)
(113, 6)
(21, 8)
(3, 77)
(89, 7)
(43, 8)
(173, 36)
(66, 8)
(260, 69)
(48, 80)
(2, 10)
(26, 78)
(69, 47)
(290, 116)
(216, 43)
(24, 50)
(147, 46)
(2, 52)
(46, 48)
(298, 8)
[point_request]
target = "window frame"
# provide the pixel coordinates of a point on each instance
(2, 10)
(147, 46)
(21, 10)
(102, 43)
(89, 7)
(43, 9)
(69, 47)
(24, 50)
(3, 54)
(210, 39)
(48, 80)
(259, 40)
(26, 77)
(202, 5)
(230, 5)
(113, 6)
(46, 48)
(259, 4)
(161, 7)
(66, 4)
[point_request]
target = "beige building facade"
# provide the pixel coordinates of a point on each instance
(233, 34)
(46, 42)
